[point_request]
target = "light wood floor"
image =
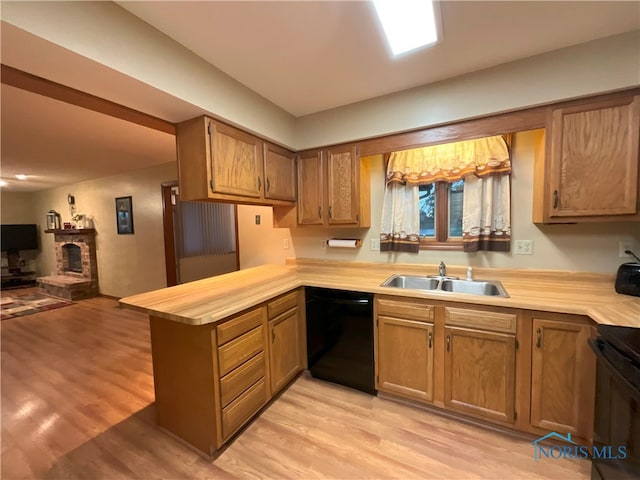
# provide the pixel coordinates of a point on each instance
(77, 403)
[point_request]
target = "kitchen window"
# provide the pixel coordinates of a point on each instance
(440, 207)
(452, 196)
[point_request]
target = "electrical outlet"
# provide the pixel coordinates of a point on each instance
(625, 245)
(285, 244)
(375, 244)
(323, 243)
(523, 247)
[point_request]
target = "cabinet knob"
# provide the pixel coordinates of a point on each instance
(430, 339)
(448, 343)
(555, 199)
(259, 183)
(267, 184)
(538, 337)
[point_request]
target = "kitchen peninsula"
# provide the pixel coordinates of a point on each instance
(224, 346)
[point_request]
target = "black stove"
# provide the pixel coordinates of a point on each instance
(617, 407)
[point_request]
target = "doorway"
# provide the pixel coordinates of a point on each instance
(200, 238)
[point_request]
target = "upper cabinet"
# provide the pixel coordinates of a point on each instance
(219, 162)
(333, 188)
(590, 170)
(279, 173)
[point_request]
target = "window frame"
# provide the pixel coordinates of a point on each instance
(442, 241)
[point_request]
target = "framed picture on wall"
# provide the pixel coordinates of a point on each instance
(124, 215)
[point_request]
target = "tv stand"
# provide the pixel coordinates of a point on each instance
(13, 276)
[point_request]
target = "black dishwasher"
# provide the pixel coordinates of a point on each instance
(340, 337)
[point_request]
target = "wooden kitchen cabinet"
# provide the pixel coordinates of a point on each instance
(590, 170)
(285, 355)
(480, 366)
(405, 341)
(311, 181)
(562, 376)
(210, 380)
(279, 173)
(333, 188)
(222, 163)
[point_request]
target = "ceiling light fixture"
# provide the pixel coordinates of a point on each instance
(21, 176)
(3, 183)
(407, 24)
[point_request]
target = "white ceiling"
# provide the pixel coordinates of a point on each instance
(304, 56)
(308, 56)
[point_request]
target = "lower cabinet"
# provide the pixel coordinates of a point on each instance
(480, 363)
(405, 352)
(479, 374)
(562, 376)
(530, 371)
(210, 380)
(285, 357)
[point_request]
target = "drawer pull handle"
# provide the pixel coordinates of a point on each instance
(538, 338)
(448, 343)
(430, 338)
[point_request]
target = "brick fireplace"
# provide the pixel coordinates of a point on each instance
(76, 265)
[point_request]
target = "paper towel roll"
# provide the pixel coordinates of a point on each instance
(343, 242)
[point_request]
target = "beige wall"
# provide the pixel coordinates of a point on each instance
(17, 207)
(261, 244)
(127, 264)
(592, 247)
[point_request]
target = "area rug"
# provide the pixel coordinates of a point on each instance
(15, 305)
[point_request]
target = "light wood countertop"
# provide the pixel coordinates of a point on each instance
(213, 299)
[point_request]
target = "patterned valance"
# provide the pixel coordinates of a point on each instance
(449, 162)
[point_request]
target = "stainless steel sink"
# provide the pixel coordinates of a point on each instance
(446, 284)
(474, 287)
(414, 282)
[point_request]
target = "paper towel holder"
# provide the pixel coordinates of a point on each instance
(344, 243)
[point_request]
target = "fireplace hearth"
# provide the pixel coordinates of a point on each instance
(76, 274)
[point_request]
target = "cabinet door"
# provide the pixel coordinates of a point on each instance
(284, 353)
(342, 186)
(279, 173)
(562, 377)
(594, 159)
(405, 357)
(236, 162)
(480, 373)
(310, 188)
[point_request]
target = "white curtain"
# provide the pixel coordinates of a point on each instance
(400, 219)
(486, 213)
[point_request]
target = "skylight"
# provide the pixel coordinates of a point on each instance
(408, 24)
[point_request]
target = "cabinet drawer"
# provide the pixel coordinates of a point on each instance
(485, 320)
(242, 408)
(282, 304)
(238, 380)
(239, 350)
(409, 309)
(239, 325)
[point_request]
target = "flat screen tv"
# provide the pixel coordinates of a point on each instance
(19, 237)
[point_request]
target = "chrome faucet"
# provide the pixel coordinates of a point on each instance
(442, 269)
